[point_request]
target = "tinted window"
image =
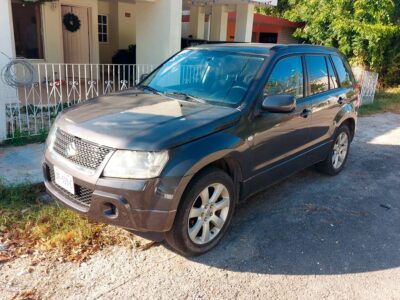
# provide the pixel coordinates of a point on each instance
(317, 74)
(333, 82)
(343, 73)
(286, 78)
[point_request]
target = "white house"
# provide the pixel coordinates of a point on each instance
(38, 30)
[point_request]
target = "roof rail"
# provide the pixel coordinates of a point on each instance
(285, 46)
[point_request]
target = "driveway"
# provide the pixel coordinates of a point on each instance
(310, 236)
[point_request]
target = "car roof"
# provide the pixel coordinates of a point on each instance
(265, 48)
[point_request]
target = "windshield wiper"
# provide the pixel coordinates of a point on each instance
(186, 96)
(153, 90)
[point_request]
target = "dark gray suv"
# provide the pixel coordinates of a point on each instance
(211, 126)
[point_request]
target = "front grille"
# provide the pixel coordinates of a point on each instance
(82, 195)
(88, 155)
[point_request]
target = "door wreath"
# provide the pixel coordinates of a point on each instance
(71, 22)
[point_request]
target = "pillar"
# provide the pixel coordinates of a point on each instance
(158, 30)
(7, 94)
(196, 25)
(244, 22)
(219, 22)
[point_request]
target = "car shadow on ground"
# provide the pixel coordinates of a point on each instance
(315, 224)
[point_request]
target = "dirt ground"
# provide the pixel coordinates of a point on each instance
(311, 236)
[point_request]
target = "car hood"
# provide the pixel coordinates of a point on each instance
(141, 121)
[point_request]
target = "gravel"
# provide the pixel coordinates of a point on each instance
(310, 236)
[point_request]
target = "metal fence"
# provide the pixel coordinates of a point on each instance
(32, 109)
(368, 87)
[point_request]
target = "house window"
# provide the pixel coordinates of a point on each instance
(103, 28)
(27, 30)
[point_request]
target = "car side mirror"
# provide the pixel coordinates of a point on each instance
(143, 77)
(279, 103)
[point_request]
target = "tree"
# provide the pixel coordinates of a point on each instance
(366, 31)
(277, 11)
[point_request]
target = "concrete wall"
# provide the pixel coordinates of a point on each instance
(158, 30)
(126, 24)
(7, 46)
(107, 50)
(121, 27)
(285, 36)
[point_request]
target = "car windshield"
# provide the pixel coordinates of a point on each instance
(206, 76)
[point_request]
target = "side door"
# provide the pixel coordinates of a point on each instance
(326, 98)
(278, 137)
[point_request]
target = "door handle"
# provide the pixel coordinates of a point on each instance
(340, 100)
(305, 113)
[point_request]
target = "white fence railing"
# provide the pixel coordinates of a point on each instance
(57, 86)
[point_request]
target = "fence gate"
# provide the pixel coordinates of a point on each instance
(368, 88)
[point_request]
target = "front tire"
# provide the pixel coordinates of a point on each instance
(204, 213)
(338, 153)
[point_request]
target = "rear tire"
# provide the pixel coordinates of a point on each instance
(338, 153)
(204, 213)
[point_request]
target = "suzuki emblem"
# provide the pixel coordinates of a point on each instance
(71, 150)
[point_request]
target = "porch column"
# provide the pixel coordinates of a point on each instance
(7, 94)
(219, 22)
(196, 25)
(158, 30)
(244, 22)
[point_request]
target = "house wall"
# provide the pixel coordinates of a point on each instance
(7, 46)
(126, 24)
(285, 36)
(121, 28)
(158, 23)
(107, 50)
(52, 30)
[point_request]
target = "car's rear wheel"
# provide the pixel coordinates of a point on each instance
(339, 151)
(204, 214)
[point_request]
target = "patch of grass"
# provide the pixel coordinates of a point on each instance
(27, 225)
(387, 100)
(21, 139)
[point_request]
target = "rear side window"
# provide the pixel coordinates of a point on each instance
(333, 82)
(317, 74)
(286, 78)
(343, 72)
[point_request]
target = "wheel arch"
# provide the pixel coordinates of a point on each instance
(221, 150)
(351, 124)
(347, 116)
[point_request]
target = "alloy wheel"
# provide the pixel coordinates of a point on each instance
(208, 213)
(340, 150)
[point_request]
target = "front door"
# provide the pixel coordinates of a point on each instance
(77, 44)
(278, 137)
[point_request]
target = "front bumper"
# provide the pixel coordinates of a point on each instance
(137, 205)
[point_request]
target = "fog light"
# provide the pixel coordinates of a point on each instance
(110, 210)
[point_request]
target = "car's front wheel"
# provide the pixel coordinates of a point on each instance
(204, 214)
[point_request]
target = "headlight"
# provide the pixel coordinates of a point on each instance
(51, 137)
(135, 164)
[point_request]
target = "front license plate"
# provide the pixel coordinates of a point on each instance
(64, 180)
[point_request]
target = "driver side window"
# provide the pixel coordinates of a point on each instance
(286, 78)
